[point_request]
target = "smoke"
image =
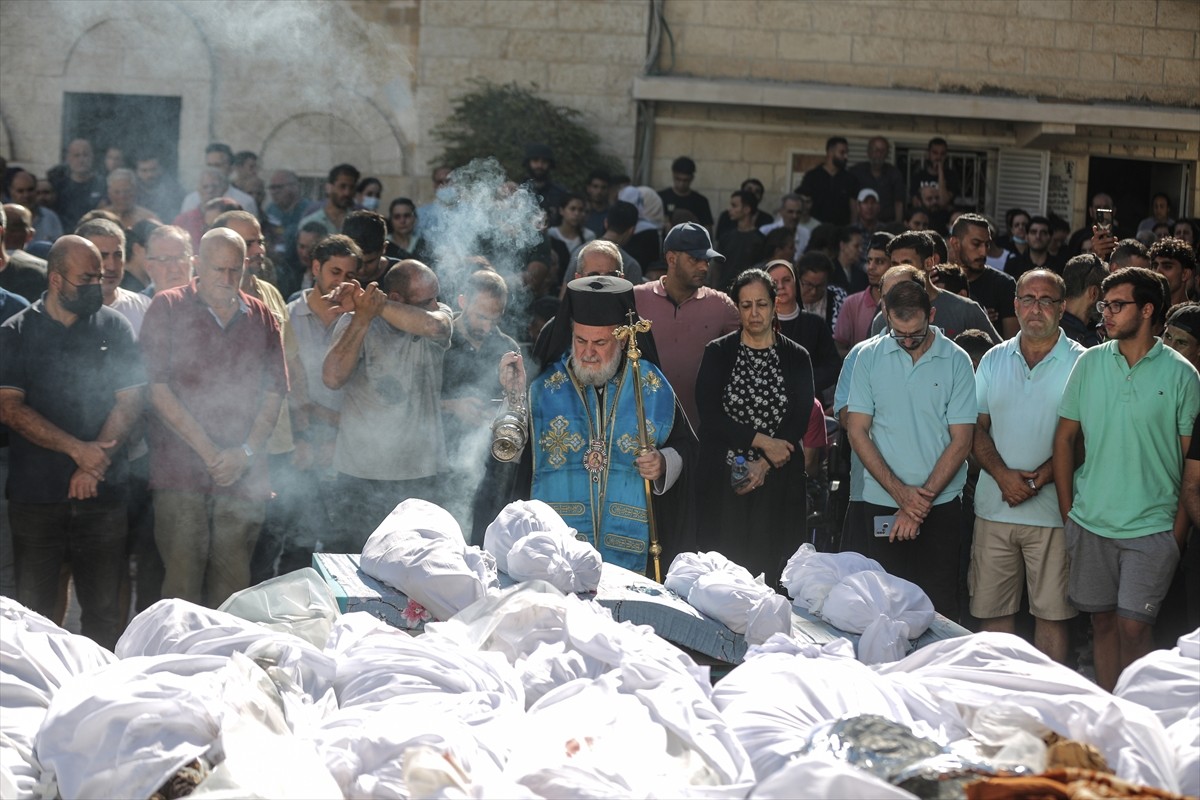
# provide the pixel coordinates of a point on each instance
(481, 213)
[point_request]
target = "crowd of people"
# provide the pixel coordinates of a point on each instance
(211, 386)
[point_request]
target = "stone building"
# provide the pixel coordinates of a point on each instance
(1042, 101)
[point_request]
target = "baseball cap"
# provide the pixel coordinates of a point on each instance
(693, 239)
(865, 193)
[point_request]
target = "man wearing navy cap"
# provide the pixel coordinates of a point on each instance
(583, 418)
(686, 313)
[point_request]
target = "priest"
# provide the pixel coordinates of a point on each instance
(583, 453)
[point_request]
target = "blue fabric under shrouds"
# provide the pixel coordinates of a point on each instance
(575, 427)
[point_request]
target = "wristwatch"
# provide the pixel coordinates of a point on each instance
(248, 450)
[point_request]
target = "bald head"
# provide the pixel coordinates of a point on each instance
(414, 283)
(224, 240)
(18, 226)
(72, 251)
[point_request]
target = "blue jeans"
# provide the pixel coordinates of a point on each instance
(92, 534)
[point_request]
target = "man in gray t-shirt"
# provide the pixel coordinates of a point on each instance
(387, 359)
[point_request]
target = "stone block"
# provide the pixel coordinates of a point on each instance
(576, 78)
(511, 70)
(972, 26)
(784, 15)
(705, 41)
(452, 12)
(858, 75)
(842, 17)
(1096, 66)
(1178, 14)
(1006, 58)
(1138, 69)
(593, 16)
(1181, 73)
(1052, 64)
(450, 72)
(1135, 12)
(1092, 10)
(1170, 43)
(754, 44)
(915, 78)
(521, 14)
(672, 141)
(727, 15)
(907, 23)
(456, 41)
(919, 56)
(878, 49)
(1044, 9)
(1073, 35)
(1117, 39)
(1024, 32)
(815, 47)
(718, 146)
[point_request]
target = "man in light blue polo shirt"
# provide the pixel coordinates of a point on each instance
(911, 418)
(1018, 527)
(1133, 402)
(856, 527)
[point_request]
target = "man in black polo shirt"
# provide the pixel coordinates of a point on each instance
(680, 195)
(70, 391)
(970, 239)
(833, 190)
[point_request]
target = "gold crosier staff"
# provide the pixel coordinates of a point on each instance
(629, 332)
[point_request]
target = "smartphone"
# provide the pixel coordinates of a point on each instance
(884, 525)
(1104, 219)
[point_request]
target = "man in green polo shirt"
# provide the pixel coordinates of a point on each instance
(1132, 402)
(911, 416)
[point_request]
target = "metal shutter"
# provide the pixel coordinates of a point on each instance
(1021, 180)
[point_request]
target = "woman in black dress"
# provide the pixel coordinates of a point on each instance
(755, 393)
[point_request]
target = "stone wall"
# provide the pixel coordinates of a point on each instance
(583, 55)
(1118, 50)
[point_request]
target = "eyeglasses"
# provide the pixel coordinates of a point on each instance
(167, 259)
(813, 287)
(1045, 303)
(275, 187)
(916, 338)
(1113, 306)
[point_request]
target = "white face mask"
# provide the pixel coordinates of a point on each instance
(370, 203)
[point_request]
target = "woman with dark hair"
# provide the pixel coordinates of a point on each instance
(1160, 213)
(755, 393)
(1189, 231)
(367, 193)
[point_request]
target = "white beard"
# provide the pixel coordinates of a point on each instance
(596, 374)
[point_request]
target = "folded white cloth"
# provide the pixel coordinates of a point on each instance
(178, 627)
(773, 700)
(687, 567)
(810, 575)
(984, 669)
(530, 541)
(887, 611)
(37, 658)
(1165, 681)
(741, 604)
(419, 550)
(299, 603)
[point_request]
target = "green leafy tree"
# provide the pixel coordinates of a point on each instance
(500, 121)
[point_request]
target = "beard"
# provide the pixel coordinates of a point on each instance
(595, 373)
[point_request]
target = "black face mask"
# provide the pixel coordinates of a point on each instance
(86, 302)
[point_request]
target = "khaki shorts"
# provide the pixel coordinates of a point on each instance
(1004, 557)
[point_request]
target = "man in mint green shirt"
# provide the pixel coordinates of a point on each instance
(910, 419)
(1132, 401)
(1019, 539)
